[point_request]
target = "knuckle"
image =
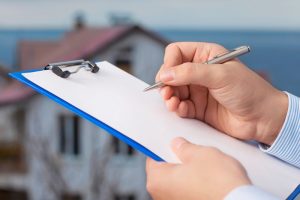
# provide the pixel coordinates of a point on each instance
(187, 70)
(216, 47)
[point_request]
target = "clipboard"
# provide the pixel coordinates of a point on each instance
(56, 68)
(150, 128)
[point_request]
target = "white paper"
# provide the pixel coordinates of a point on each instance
(117, 99)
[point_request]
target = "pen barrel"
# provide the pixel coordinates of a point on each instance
(230, 55)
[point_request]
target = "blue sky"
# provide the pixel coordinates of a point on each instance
(200, 14)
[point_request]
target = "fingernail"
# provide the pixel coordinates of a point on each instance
(166, 75)
(178, 142)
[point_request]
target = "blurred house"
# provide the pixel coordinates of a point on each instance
(3, 75)
(46, 152)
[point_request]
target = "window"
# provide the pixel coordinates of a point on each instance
(124, 197)
(120, 147)
(69, 134)
(70, 197)
(12, 154)
(124, 59)
(19, 119)
(13, 195)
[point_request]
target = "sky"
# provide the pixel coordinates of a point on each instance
(195, 14)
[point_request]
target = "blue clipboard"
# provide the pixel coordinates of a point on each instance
(18, 76)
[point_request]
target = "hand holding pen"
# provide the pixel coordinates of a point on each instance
(229, 97)
(219, 59)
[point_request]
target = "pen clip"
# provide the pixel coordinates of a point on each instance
(217, 56)
(247, 48)
(223, 54)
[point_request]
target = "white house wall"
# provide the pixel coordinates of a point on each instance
(147, 55)
(42, 122)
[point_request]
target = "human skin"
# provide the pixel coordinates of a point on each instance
(205, 173)
(229, 97)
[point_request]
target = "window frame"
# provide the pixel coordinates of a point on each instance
(69, 140)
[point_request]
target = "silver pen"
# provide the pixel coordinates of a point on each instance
(216, 60)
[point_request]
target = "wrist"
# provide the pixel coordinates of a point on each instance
(274, 114)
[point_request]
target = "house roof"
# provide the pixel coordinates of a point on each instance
(30, 52)
(14, 92)
(77, 44)
(83, 43)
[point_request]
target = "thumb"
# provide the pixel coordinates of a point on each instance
(184, 149)
(209, 75)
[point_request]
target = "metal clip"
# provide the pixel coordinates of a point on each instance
(56, 68)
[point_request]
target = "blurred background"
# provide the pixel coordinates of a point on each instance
(46, 152)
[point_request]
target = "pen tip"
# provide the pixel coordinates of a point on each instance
(147, 89)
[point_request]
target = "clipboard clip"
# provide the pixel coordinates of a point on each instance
(57, 68)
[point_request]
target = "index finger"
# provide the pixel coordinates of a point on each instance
(174, 56)
(181, 52)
